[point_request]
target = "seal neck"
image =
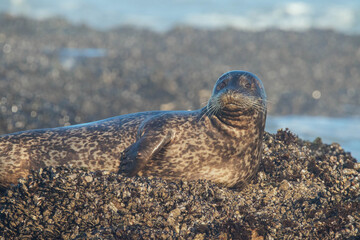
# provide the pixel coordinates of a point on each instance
(233, 123)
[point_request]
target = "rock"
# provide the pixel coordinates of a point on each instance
(325, 204)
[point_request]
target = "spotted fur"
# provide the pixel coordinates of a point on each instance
(220, 142)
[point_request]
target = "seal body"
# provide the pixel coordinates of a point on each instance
(220, 142)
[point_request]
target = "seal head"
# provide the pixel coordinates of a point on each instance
(237, 92)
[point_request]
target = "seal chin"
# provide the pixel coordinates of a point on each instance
(239, 102)
(232, 101)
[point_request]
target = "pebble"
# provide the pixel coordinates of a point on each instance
(88, 179)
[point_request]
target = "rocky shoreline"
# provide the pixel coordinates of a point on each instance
(303, 190)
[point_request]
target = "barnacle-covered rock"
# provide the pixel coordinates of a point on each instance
(302, 190)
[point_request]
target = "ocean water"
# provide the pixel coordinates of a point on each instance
(343, 16)
(69, 57)
(345, 131)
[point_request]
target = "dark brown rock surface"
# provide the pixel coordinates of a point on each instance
(303, 190)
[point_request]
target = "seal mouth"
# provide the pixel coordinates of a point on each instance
(234, 101)
(232, 105)
(237, 101)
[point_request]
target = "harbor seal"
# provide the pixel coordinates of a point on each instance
(221, 142)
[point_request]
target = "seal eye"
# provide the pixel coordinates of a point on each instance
(220, 86)
(245, 83)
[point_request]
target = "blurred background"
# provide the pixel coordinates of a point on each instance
(73, 61)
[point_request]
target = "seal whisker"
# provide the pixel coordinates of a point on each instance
(206, 112)
(210, 110)
(204, 103)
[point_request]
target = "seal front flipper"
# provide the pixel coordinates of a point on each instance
(144, 149)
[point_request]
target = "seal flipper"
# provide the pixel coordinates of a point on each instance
(138, 154)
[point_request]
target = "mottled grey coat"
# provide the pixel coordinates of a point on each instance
(220, 142)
